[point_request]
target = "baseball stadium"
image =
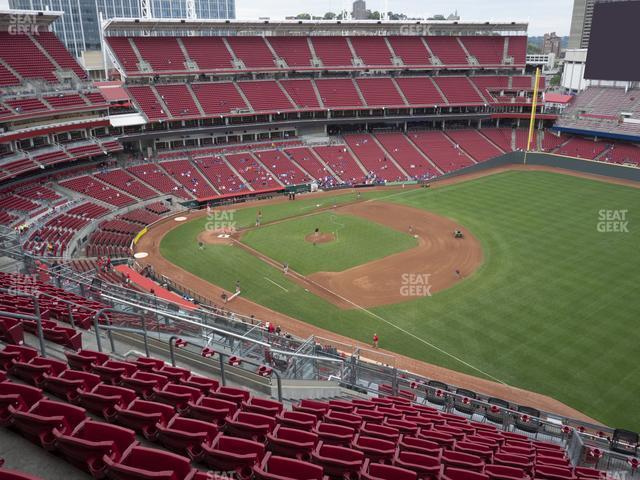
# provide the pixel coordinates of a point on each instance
(316, 249)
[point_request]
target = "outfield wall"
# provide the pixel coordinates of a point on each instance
(558, 161)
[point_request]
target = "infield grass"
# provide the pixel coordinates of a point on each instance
(285, 242)
(554, 308)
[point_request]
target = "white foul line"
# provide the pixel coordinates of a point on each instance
(276, 284)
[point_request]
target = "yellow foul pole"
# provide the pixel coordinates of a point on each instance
(532, 121)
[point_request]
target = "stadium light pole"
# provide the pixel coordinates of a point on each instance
(532, 120)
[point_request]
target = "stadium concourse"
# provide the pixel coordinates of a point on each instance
(210, 119)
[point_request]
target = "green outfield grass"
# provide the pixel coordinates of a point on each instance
(553, 309)
(352, 246)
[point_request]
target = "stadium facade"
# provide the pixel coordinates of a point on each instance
(79, 28)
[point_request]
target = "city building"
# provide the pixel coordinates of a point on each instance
(359, 10)
(551, 43)
(79, 26)
(581, 23)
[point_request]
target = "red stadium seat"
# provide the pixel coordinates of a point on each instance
(40, 421)
(13, 353)
(91, 441)
(313, 407)
(6, 474)
(419, 445)
(334, 434)
(338, 462)
(104, 399)
(186, 436)
(375, 449)
(342, 418)
(380, 431)
(292, 443)
(232, 394)
(11, 331)
(299, 420)
(274, 467)
(425, 466)
(141, 463)
(466, 461)
(501, 472)
(177, 395)
(34, 370)
(263, 406)
(377, 471)
(144, 383)
(70, 383)
(144, 417)
(554, 473)
(85, 359)
(252, 426)
(212, 410)
(147, 364)
(112, 371)
(462, 474)
(205, 385)
(233, 454)
(16, 397)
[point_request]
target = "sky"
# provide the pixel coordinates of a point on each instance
(543, 15)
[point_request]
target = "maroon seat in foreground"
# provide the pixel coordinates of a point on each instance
(144, 383)
(313, 407)
(253, 426)
(14, 475)
(112, 371)
(378, 471)
(91, 441)
(233, 454)
(338, 462)
(205, 385)
(461, 474)
(501, 472)
(16, 397)
(419, 445)
(425, 466)
(263, 406)
(70, 383)
(334, 434)
(177, 395)
(144, 417)
(85, 359)
(104, 398)
(289, 442)
(186, 436)
(213, 410)
(15, 353)
(232, 394)
(11, 331)
(299, 420)
(34, 370)
(462, 460)
(274, 467)
(39, 422)
(141, 463)
(376, 449)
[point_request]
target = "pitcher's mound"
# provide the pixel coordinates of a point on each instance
(320, 237)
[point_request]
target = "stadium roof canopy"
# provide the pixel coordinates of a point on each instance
(19, 20)
(312, 27)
